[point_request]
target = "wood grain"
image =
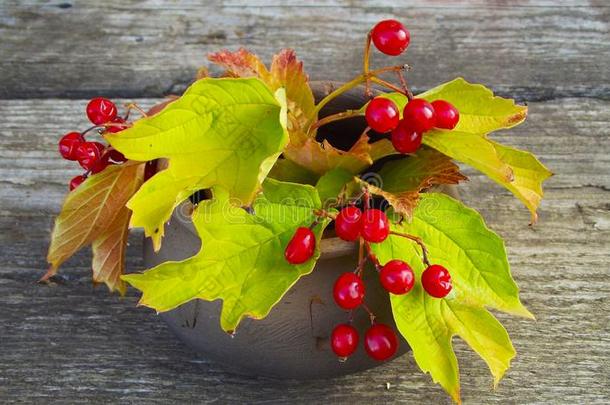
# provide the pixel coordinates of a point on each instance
(133, 48)
(72, 343)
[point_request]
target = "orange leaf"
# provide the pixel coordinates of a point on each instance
(94, 210)
(109, 253)
(242, 63)
(287, 71)
(322, 157)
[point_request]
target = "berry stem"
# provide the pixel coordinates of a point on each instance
(405, 86)
(388, 85)
(418, 241)
(350, 85)
(361, 257)
(335, 117)
(368, 311)
(134, 106)
(367, 198)
(371, 256)
(117, 125)
(91, 128)
(366, 63)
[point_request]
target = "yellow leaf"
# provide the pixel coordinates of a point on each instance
(529, 174)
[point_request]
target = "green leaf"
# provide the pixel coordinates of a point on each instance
(456, 238)
(332, 184)
(221, 132)
(287, 170)
(480, 111)
(241, 260)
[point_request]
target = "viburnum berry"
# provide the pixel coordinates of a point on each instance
(88, 154)
(380, 342)
(405, 139)
(101, 163)
(447, 116)
(347, 223)
(348, 291)
(301, 247)
(68, 144)
(382, 115)
(397, 277)
(390, 37)
(100, 110)
(375, 226)
(77, 181)
(436, 281)
(113, 129)
(419, 115)
(344, 340)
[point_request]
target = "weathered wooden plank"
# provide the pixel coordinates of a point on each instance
(72, 343)
(539, 48)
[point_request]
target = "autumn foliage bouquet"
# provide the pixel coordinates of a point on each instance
(250, 142)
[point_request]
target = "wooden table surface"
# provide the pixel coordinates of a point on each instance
(73, 343)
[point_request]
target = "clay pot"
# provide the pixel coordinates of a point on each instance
(293, 340)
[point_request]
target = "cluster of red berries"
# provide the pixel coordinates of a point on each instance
(419, 116)
(396, 277)
(93, 156)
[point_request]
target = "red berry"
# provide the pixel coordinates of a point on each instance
(301, 246)
(116, 156)
(380, 342)
(390, 37)
(382, 115)
(101, 163)
(397, 277)
(77, 181)
(347, 223)
(405, 139)
(419, 114)
(344, 340)
(447, 116)
(100, 110)
(88, 153)
(68, 144)
(436, 281)
(375, 226)
(348, 291)
(114, 129)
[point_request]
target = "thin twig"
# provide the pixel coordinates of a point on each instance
(371, 314)
(335, 117)
(416, 240)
